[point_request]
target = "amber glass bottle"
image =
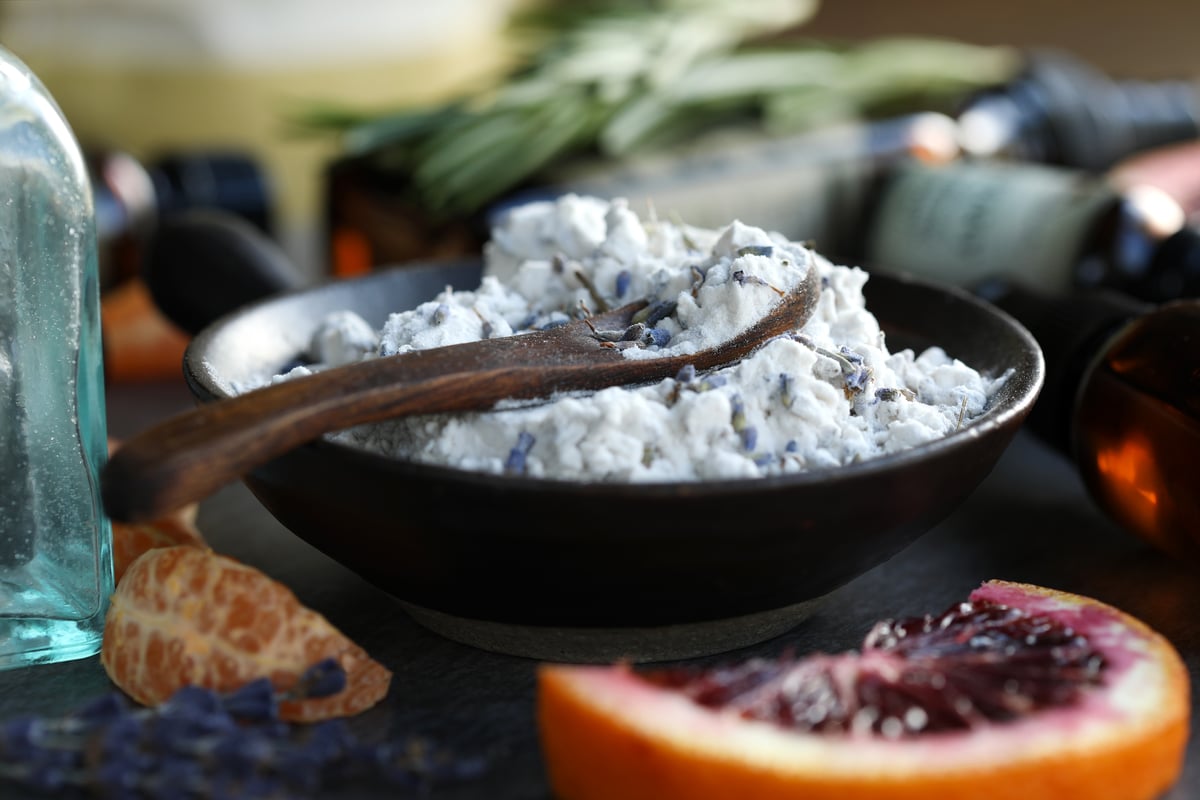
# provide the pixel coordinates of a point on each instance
(1122, 397)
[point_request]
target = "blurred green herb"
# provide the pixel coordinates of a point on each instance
(613, 78)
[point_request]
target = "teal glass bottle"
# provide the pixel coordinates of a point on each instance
(55, 542)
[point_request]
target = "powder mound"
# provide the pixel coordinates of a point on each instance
(827, 395)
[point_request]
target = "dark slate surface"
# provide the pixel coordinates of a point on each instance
(1030, 521)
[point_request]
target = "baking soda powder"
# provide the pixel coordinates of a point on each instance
(828, 395)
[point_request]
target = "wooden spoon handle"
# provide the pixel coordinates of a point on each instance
(186, 458)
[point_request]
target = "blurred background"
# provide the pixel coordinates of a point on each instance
(366, 133)
(1152, 39)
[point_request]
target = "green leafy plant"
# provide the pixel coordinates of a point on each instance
(609, 79)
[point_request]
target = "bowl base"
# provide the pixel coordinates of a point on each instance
(607, 645)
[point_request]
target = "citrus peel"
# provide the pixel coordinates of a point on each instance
(130, 540)
(608, 732)
(186, 616)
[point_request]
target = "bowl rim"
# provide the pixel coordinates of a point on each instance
(1013, 407)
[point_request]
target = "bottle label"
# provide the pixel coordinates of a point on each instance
(965, 222)
(810, 186)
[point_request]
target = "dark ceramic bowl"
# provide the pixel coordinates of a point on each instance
(556, 569)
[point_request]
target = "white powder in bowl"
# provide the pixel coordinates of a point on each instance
(828, 395)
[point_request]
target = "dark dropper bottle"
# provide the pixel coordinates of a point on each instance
(1061, 110)
(1122, 398)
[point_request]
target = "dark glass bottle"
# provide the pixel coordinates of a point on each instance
(133, 202)
(1047, 228)
(1122, 398)
(132, 198)
(807, 186)
(1063, 111)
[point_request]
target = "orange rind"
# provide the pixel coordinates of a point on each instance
(610, 732)
(187, 616)
(131, 540)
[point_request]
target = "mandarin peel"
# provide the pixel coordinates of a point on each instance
(130, 540)
(187, 616)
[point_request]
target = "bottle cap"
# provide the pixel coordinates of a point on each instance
(229, 182)
(1071, 330)
(1174, 271)
(1064, 111)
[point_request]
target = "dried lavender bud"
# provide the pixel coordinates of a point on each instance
(786, 382)
(859, 374)
(856, 375)
(254, 701)
(192, 747)
(741, 425)
(686, 374)
(624, 279)
(657, 337)
(655, 313)
(193, 699)
(755, 250)
(100, 711)
(712, 382)
(185, 723)
(515, 463)
(17, 737)
(749, 436)
(440, 314)
(417, 763)
(742, 279)
(326, 677)
(792, 446)
(739, 413)
(244, 752)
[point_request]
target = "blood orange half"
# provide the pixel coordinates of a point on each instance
(1019, 693)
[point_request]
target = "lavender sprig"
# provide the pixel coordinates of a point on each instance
(201, 744)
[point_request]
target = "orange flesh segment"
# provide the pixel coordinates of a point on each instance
(596, 748)
(186, 616)
(130, 540)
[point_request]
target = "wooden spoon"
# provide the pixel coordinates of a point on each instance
(190, 456)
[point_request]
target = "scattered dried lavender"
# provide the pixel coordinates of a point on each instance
(201, 744)
(515, 464)
(829, 395)
(623, 281)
